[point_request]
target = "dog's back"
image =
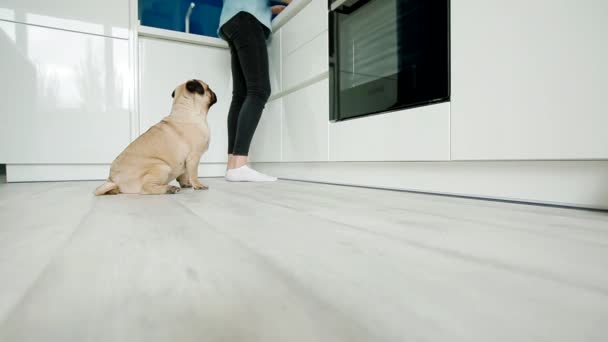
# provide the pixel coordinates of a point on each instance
(168, 150)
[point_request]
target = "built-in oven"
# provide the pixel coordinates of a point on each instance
(386, 55)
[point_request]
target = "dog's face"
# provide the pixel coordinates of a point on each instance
(194, 93)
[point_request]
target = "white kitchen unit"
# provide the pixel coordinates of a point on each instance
(304, 48)
(106, 18)
(164, 64)
(306, 124)
(266, 144)
(274, 63)
(416, 134)
(529, 80)
(65, 96)
(307, 62)
(305, 26)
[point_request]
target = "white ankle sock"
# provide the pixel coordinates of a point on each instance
(246, 174)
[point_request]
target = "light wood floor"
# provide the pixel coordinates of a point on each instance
(293, 261)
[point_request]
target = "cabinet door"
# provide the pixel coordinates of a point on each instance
(274, 62)
(108, 18)
(306, 123)
(65, 96)
(414, 134)
(166, 64)
(305, 63)
(529, 80)
(266, 144)
(305, 26)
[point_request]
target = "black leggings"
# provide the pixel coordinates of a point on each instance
(251, 84)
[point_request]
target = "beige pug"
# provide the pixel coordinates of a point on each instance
(169, 150)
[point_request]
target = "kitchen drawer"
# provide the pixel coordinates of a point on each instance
(308, 61)
(415, 134)
(305, 26)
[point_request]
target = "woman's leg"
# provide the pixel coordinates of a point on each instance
(239, 92)
(248, 43)
(252, 54)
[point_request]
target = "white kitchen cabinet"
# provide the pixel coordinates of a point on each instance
(107, 18)
(305, 63)
(305, 124)
(65, 96)
(274, 62)
(266, 144)
(529, 80)
(309, 23)
(416, 134)
(165, 64)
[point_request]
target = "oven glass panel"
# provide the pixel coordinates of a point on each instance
(388, 55)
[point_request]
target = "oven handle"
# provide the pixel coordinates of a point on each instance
(336, 4)
(339, 6)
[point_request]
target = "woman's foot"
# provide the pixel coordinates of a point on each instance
(247, 174)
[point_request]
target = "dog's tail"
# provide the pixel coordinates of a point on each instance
(108, 188)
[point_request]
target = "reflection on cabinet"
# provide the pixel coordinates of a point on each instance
(65, 96)
(266, 144)
(107, 18)
(529, 88)
(166, 64)
(305, 123)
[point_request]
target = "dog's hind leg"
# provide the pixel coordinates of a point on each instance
(108, 188)
(155, 181)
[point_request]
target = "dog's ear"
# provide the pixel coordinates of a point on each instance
(195, 86)
(173, 94)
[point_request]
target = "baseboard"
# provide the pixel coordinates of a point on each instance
(80, 172)
(568, 183)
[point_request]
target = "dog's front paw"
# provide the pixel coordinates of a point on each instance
(172, 189)
(187, 185)
(199, 186)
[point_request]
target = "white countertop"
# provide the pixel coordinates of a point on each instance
(146, 31)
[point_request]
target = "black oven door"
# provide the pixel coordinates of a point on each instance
(386, 55)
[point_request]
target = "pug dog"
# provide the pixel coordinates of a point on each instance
(169, 150)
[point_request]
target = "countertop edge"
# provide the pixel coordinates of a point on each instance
(153, 32)
(289, 12)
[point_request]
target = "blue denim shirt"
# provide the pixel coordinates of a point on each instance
(258, 8)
